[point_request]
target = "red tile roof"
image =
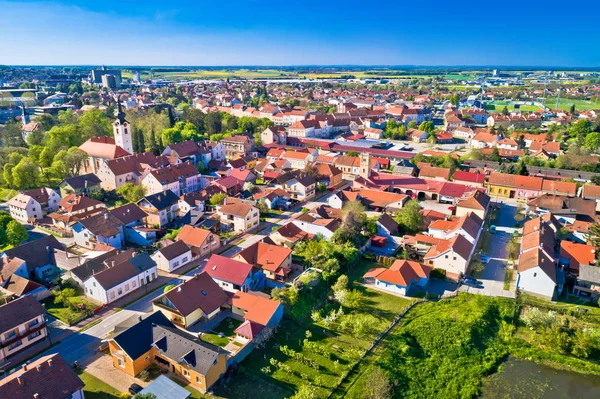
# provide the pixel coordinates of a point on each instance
(227, 269)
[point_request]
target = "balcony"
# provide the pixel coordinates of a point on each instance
(25, 334)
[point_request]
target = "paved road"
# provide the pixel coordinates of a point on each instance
(496, 248)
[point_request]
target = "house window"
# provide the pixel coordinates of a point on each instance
(34, 323)
(186, 373)
(121, 363)
(454, 258)
(112, 295)
(205, 248)
(185, 259)
(534, 274)
(175, 264)
(15, 345)
(446, 256)
(133, 283)
(198, 380)
(11, 335)
(94, 284)
(120, 291)
(34, 335)
(127, 287)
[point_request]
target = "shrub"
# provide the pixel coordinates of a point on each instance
(440, 274)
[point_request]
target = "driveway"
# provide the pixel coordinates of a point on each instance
(492, 276)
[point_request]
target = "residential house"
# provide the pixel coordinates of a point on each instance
(301, 187)
(588, 281)
(329, 175)
(556, 187)
(573, 255)
(400, 277)
(117, 276)
(299, 160)
(274, 198)
(230, 274)
(18, 286)
(133, 219)
(387, 226)
(80, 185)
(432, 172)
(195, 152)
(198, 299)
(537, 275)
(452, 255)
(288, 235)
(181, 179)
(313, 225)
(591, 192)
(229, 185)
(73, 208)
(172, 256)
(476, 202)
(33, 259)
(47, 377)
(417, 136)
(274, 261)
(161, 208)
(484, 140)
(99, 150)
(22, 324)
(238, 216)
(469, 179)
(373, 133)
(464, 133)
(155, 340)
(201, 242)
(567, 210)
(103, 228)
(469, 226)
(239, 145)
(117, 172)
(274, 134)
(507, 144)
(514, 186)
(33, 204)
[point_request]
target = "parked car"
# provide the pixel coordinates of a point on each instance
(135, 389)
(484, 258)
(471, 282)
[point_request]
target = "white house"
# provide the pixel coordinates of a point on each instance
(181, 179)
(452, 255)
(238, 216)
(172, 256)
(33, 204)
(469, 226)
(316, 226)
(537, 275)
(116, 280)
(301, 188)
(400, 277)
(231, 275)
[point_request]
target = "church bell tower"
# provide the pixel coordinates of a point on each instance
(122, 130)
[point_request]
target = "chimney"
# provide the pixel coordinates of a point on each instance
(112, 264)
(38, 368)
(178, 289)
(36, 396)
(20, 380)
(139, 317)
(106, 216)
(196, 276)
(50, 363)
(25, 367)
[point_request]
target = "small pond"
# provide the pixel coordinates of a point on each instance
(523, 379)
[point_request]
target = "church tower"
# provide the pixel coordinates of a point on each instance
(365, 165)
(122, 130)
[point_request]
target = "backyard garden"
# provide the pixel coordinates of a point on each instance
(69, 304)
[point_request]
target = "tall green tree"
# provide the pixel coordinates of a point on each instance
(26, 174)
(16, 233)
(410, 217)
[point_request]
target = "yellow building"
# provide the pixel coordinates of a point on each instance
(155, 340)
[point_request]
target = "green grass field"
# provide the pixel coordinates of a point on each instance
(96, 388)
(565, 104)
(327, 354)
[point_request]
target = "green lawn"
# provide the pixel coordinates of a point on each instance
(66, 314)
(215, 339)
(227, 327)
(96, 388)
(195, 393)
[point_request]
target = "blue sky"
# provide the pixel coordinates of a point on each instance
(208, 32)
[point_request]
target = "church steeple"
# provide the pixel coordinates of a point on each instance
(121, 129)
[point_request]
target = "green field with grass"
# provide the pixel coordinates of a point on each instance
(320, 353)
(96, 388)
(566, 103)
